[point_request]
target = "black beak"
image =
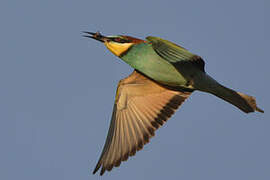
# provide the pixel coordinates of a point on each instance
(96, 36)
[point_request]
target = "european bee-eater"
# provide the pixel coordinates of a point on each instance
(164, 76)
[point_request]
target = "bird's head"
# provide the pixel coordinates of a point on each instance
(116, 44)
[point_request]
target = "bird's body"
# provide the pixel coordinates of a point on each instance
(143, 58)
(165, 75)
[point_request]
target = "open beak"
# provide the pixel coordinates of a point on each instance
(96, 36)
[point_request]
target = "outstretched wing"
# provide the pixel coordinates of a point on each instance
(141, 106)
(175, 54)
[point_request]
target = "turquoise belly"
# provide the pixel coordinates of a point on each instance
(143, 58)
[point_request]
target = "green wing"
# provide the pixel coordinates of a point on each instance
(175, 54)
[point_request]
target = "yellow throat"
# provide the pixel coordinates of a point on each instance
(117, 48)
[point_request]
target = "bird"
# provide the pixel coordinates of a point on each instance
(165, 75)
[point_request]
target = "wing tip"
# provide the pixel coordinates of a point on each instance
(96, 168)
(259, 110)
(101, 172)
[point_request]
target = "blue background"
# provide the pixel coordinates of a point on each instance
(57, 89)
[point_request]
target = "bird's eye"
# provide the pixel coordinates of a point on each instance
(120, 40)
(117, 39)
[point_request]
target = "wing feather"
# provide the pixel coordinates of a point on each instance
(128, 135)
(141, 107)
(133, 137)
(175, 54)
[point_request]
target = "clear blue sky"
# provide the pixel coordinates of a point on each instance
(57, 89)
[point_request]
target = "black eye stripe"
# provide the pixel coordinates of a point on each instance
(120, 40)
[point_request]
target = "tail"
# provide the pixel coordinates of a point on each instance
(244, 102)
